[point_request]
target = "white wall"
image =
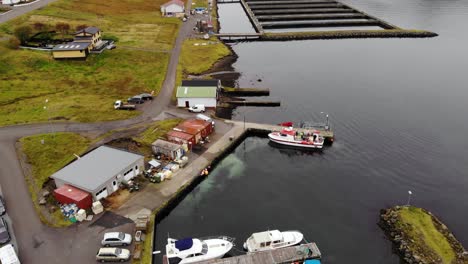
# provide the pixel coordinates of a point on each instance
(208, 102)
(9, 2)
(173, 8)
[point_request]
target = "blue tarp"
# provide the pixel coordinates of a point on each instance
(184, 244)
(312, 261)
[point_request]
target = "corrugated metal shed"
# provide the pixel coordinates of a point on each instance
(181, 137)
(68, 194)
(201, 126)
(196, 92)
(96, 168)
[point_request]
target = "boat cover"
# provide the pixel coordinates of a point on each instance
(184, 244)
(312, 261)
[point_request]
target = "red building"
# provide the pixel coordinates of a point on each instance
(181, 137)
(68, 194)
(196, 127)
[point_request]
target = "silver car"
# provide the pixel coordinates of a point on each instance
(113, 254)
(116, 239)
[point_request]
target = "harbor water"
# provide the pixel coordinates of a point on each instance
(400, 114)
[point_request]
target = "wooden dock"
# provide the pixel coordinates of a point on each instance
(277, 256)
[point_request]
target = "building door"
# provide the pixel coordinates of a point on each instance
(101, 194)
(187, 104)
(115, 185)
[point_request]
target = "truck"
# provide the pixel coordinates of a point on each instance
(8, 255)
(119, 105)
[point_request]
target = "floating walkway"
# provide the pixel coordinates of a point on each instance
(266, 16)
(276, 256)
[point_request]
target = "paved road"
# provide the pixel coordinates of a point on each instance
(20, 10)
(78, 244)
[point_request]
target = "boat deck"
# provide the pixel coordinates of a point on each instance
(276, 256)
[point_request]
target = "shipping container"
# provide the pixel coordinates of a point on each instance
(68, 194)
(181, 137)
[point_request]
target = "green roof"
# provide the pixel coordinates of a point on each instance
(196, 92)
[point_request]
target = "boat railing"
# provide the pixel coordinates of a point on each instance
(227, 238)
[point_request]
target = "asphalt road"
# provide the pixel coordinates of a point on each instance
(78, 244)
(20, 10)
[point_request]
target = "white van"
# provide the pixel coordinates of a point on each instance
(206, 118)
(199, 108)
(8, 255)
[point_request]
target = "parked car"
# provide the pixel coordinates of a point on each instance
(111, 47)
(197, 108)
(206, 118)
(136, 100)
(2, 206)
(146, 96)
(116, 239)
(122, 106)
(113, 254)
(4, 234)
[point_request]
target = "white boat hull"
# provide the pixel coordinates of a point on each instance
(290, 238)
(293, 143)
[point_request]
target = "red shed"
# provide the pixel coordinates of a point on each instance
(68, 194)
(204, 127)
(180, 137)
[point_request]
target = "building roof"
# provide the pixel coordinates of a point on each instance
(196, 92)
(96, 168)
(195, 123)
(72, 192)
(166, 145)
(88, 30)
(201, 83)
(187, 130)
(267, 236)
(71, 46)
(179, 134)
(176, 2)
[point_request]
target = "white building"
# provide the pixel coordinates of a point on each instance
(188, 96)
(10, 2)
(173, 8)
(101, 171)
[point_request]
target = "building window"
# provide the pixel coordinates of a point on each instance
(125, 174)
(114, 183)
(101, 191)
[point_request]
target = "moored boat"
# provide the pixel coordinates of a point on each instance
(291, 137)
(272, 239)
(190, 250)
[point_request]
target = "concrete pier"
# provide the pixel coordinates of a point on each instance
(309, 17)
(319, 24)
(306, 11)
(285, 7)
(278, 2)
(280, 255)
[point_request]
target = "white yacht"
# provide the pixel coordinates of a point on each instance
(190, 250)
(272, 239)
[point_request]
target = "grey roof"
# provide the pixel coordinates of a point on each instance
(71, 46)
(89, 30)
(166, 145)
(200, 83)
(96, 168)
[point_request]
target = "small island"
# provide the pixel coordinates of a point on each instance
(419, 237)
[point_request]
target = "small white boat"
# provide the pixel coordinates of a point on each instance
(190, 250)
(272, 239)
(290, 137)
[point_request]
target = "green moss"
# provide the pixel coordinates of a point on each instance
(421, 229)
(199, 55)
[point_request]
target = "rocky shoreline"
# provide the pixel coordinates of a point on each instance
(408, 247)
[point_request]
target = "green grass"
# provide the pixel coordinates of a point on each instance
(423, 232)
(196, 59)
(84, 91)
(199, 3)
(157, 130)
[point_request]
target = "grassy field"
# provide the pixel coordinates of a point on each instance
(47, 158)
(423, 231)
(200, 3)
(84, 91)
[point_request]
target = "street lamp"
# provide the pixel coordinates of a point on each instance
(327, 125)
(409, 198)
(48, 117)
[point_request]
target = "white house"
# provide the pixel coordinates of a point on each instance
(173, 8)
(188, 96)
(10, 2)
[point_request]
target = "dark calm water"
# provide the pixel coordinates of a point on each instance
(400, 112)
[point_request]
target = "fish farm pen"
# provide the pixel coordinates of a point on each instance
(269, 15)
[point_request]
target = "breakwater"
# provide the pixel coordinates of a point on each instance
(420, 237)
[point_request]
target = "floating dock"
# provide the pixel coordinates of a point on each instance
(268, 15)
(276, 256)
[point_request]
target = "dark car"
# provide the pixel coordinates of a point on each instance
(4, 234)
(146, 96)
(2, 206)
(136, 100)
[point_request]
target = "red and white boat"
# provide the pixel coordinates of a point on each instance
(304, 139)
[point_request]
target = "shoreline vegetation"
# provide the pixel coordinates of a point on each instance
(420, 237)
(85, 90)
